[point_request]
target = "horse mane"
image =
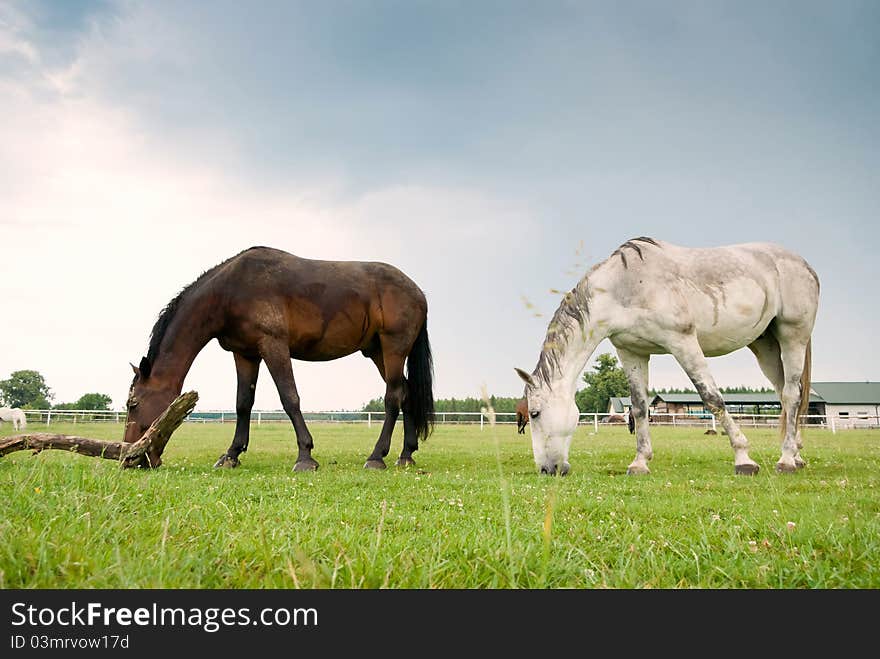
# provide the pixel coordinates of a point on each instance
(631, 244)
(575, 306)
(167, 314)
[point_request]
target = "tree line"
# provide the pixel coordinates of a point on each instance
(606, 380)
(449, 405)
(27, 389)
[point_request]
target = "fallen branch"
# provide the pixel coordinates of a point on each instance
(129, 455)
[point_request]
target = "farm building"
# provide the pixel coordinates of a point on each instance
(619, 405)
(850, 404)
(736, 404)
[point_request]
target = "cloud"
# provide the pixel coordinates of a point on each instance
(145, 142)
(116, 219)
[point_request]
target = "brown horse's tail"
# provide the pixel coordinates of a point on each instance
(419, 403)
(805, 391)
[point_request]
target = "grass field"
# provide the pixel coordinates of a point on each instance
(472, 514)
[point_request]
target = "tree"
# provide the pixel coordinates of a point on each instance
(606, 380)
(375, 405)
(26, 389)
(92, 401)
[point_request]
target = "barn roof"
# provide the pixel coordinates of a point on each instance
(619, 404)
(848, 393)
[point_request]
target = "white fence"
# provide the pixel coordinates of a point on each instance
(594, 419)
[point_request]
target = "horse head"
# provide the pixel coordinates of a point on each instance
(148, 397)
(553, 416)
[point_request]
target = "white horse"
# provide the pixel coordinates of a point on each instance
(651, 297)
(15, 415)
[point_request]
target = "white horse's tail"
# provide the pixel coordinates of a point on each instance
(805, 382)
(805, 391)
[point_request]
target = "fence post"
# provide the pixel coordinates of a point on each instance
(259, 417)
(48, 417)
(714, 428)
(481, 420)
(596, 422)
(369, 419)
(831, 419)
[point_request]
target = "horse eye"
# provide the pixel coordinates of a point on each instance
(535, 414)
(132, 403)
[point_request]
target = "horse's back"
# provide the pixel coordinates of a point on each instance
(328, 309)
(725, 295)
(771, 265)
(274, 270)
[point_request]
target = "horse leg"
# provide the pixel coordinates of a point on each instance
(392, 370)
(769, 355)
(793, 351)
(691, 358)
(410, 439)
(247, 371)
(636, 368)
(277, 358)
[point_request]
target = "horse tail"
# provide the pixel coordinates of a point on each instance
(805, 392)
(805, 383)
(419, 402)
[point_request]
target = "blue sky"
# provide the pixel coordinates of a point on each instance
(491, 150)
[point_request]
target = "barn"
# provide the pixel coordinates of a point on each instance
(619, 405)
(746, 403)
(850, 404)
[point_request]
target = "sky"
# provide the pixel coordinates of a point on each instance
(493, 151)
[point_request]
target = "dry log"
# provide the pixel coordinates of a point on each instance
(129, 455)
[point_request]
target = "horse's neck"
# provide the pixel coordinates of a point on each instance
(194, 324)
(581, 341)
(574, 359)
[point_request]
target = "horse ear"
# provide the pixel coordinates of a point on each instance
(136, 370)
(525, 377)
(145, 368)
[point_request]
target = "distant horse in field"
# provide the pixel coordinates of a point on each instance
(652, 297)
(267, 305)
(522, 416)
(14, 414)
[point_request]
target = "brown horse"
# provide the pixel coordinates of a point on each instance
(522, 416)
(267, 305)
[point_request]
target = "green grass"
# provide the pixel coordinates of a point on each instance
(472, 514)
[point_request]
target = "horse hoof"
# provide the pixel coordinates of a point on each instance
(227, 462)
(746, 469)
(786, 468)
(305, 465)
(637, 470)
(405, 462)
(374, 464)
